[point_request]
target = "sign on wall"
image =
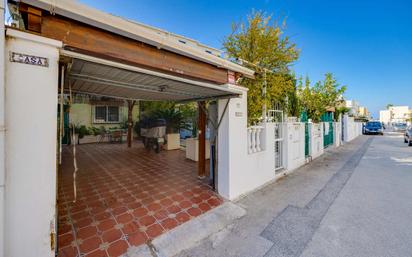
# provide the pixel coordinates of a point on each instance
(29, 59)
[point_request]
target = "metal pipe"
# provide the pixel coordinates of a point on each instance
(61, 127)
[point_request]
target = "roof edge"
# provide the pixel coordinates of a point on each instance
(133, 30)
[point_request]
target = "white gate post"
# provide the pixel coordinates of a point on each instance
(233, 145)
(2, 128)
(31, 128)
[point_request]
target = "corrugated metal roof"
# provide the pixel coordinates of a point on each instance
(96, 76)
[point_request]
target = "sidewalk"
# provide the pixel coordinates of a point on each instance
(245, 235)
(243, 238)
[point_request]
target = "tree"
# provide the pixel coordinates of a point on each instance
(293, 105)
(260, 42)
(388, 106)
(315, 100)
(340, 110)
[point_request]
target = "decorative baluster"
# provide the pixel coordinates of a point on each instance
(249, 140)
(258, 148)
(253, 143)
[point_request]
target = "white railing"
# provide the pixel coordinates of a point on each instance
(254, 139)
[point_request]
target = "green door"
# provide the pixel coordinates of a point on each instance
(66, 128)
(304, 118)
(327, 118)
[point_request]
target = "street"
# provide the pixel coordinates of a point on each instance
(352, 201)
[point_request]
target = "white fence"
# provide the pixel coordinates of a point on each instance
(351, 129)
(254, 139)
(250, 157)
(316, 140)
(337, 133)
(294, 151)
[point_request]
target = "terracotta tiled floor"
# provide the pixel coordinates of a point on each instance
(125, 198)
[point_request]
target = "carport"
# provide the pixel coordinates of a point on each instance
(127, 196)
(90, 75)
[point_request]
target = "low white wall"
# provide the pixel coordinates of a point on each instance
(246, 156)
(351, 129)
(239, 171)
(294, 142)
(316, 140)
(337, 133)
(31, 110)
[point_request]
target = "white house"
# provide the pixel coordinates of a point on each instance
(385, 116)
(353, 107)
(395, 114)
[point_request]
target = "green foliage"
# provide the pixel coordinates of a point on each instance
(174, 118)
(340, 110)
(315, 100)
(389, 106)
(294, 107)
(124, 124)
(81, 131)
(176, 115)
(260, 42)
(149, 108)
(94, 131)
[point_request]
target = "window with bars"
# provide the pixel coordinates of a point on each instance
(106, 114)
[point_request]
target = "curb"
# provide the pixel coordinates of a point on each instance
(189, 234)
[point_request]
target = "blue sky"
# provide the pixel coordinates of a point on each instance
(367, 44)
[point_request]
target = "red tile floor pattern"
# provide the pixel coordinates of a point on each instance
(125, 198)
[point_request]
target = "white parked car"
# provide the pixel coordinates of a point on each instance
(407, 137)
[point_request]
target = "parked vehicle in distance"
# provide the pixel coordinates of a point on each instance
(399, 127)
(373, 127)
(407, 137)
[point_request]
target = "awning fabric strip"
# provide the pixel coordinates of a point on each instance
(96, 76)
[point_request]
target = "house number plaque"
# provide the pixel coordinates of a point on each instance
(29, 59)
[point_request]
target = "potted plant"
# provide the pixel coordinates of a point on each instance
(174, 121)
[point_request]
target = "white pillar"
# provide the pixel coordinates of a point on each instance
(232, 143)
(2, 127)
(31, 140)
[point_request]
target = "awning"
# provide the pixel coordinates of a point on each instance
(96, 76)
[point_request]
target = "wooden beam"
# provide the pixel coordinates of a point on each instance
(201, 172)
(83, 38)
(32, 16)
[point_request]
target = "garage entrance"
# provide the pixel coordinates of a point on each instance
(124, 195)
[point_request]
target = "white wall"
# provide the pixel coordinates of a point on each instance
(294, 150)
(385, 116)
(2, 128)
(316, 140)
(238, 171)
(351, 129)
(31, 111)
(337, 133)
(242, 168)
(400, 113)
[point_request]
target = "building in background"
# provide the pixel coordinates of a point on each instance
(353, 108)
(395, 114)
(385, 116)
(364, 112)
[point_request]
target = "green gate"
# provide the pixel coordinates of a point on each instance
(304, 118)
(327, 118)
(66, 128)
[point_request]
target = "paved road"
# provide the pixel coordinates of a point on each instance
(355, 200)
